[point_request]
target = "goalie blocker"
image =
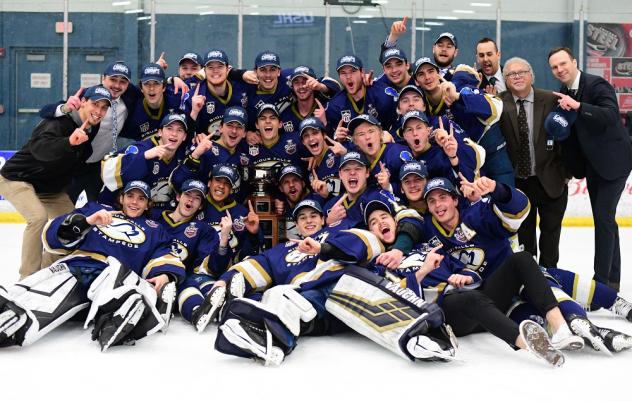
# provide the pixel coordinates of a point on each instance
(391, 316)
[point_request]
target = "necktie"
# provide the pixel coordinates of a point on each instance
(114, 126)
(573, 93)
(523, 162)
(492, 81)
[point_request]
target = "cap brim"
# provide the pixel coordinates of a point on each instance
(177, 121)
(297, 211)
(355, 66)
(187, 58)
(234, 120)
(118, 75)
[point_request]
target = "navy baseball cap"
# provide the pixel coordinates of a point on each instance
(235, 114)
(310, 122)
(96, 93)
(439, 183)
(216, 55)
(196, 58)
(267, 58)
(140, 185)
(290, 169)
(350, 60)
(172, 118)
(409, 88)
(392, 53)
(267, 106)
(413, 167)
(118, 69)
(414, 114)
(353, 156)
(362, 118)
(193, 185)
(302, 71)
(307, 203)
(424, 60)
(448, 35)
(152, 72)
(376, 204)
(226, 171)
(559, 122)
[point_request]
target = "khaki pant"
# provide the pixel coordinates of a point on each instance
(36, 210)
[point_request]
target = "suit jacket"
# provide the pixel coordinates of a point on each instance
(549, 167)
(598, 136)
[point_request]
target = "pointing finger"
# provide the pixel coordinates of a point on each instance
(341, 200)
(320, 105)
(383, 167)
(250, 208)
(340, 124)
(314, 174)
(440, 122)
(79, 92)
(451, 129)
(85, 125)
(162, 56)
(228, 214)
(405, 20)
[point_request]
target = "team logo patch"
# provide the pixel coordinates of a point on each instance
(238, 224)
(434, 242)
(372, 111)
(346, 116)
(331, 160)
(144, 127)
(244, 160)
(253, 150)
(191, 231)
(459, 235)
(122, 231)
(180, 250)
(152, 223)
(288, 126)
(244, 100)
(210, 107)
(156, 169)
(215, 150)
(468, 232)
(290, 147)
(406, 156)
(131, 150)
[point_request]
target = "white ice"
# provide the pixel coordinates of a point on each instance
(182, 365)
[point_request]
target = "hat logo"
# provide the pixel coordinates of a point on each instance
(214, 54)
(301, 70)
(226, 170)
(236, 113)
(391, 52)
(192, 56)
(268, 57)
(120, 68)
(560, 120)
(102, 91)
(348, 59)
(152, 71)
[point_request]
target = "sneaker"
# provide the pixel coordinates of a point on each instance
(563, 338)
(585, 329)
(256, 341)
(205, 313)
(538, 343)
(615, 340)
(164, 303)
(623, 308)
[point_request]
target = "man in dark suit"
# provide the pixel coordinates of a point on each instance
(599, 149)
(537, 162)
(488, 60)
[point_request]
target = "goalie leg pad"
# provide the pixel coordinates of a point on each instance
(122, 299)
(38, 304)
(250, 329)
(385, 313)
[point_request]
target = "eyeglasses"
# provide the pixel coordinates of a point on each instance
(517, 74)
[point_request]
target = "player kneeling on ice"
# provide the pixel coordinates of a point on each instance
(305, 274)
(118, 263)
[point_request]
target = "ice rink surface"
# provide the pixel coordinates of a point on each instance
(182, 365)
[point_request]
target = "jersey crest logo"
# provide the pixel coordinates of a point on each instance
(180, 250)
(346, 116)
(123, 231)
(468, 232)
(238, 224)
(210, 107)
(191, 231)
(131, 150)
(144, 127)
(151, 223)
(244, 160)
(372, 110)
(290, 147)
(253, 150)
(331, 160)
(244, 100)
(434, 242)
(406, 156)
(215, 150)
(156, 169)
(288, 126)
(459, 235)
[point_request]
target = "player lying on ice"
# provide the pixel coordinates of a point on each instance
(300, 276)
(118, 263)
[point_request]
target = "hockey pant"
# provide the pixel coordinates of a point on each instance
(391, 316)
(34, 306)
(265, 330)
(123, 307)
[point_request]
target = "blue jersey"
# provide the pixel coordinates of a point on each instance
(393, 155)
(200, 169)
(286, 264)
(210, 117)
(326, 166)
(130, 165)
(355, 208)
(378, 101)
(196, 243)
(286, 150)
(140, 244)
(383, 79)
(481, 239)
(281, 96)
(240, 242)
(143, 121)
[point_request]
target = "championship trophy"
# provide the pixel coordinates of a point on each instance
(263, 186)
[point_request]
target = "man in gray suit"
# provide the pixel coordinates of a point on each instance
(536, 158)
